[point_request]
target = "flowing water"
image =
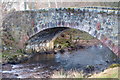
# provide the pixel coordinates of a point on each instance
(43, 65)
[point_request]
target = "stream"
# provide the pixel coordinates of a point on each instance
(43, 65)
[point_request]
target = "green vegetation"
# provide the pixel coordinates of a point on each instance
(114, 65)
(10, 50)
(101, 12)
(108, 73)
(80, 34)
(0, 55)
(67, 38)
(12, 56)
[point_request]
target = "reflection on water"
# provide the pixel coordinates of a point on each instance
(39, 64)
(95, 55)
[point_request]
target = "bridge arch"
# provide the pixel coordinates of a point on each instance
(100, 23)
(66, 28)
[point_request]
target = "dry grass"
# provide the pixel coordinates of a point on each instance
(108, 73)
(68, 74)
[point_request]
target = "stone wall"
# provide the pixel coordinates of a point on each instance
(100, 23)
(18, 24)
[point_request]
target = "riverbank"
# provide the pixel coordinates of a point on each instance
(68, 65)
(108, 73)
(69, 40)
(45, 71)
(18, 57)
(71, 62)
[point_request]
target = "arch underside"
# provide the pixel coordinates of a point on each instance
(62, 29)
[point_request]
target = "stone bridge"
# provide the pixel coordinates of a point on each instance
(98, 22)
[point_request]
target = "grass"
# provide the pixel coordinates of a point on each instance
(114, 65)
(8, 56)
(67, 74)
(108, 73)
(65, 39)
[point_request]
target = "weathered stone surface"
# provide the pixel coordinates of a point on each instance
(100, 23)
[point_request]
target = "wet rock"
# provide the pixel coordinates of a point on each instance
(13, 60)
(6, 67)
(55, 52)
(89, 68)
(62, 51)
(7, 75)
(81, 47)
(100, 64)
(47, 52)
(16, 74)
(107, 61)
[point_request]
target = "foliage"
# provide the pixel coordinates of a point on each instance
(69, 9)
(114, 65)
(67, 37)
(19, 51)
(11, 56)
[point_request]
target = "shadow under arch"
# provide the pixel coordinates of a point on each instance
(51, 30)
